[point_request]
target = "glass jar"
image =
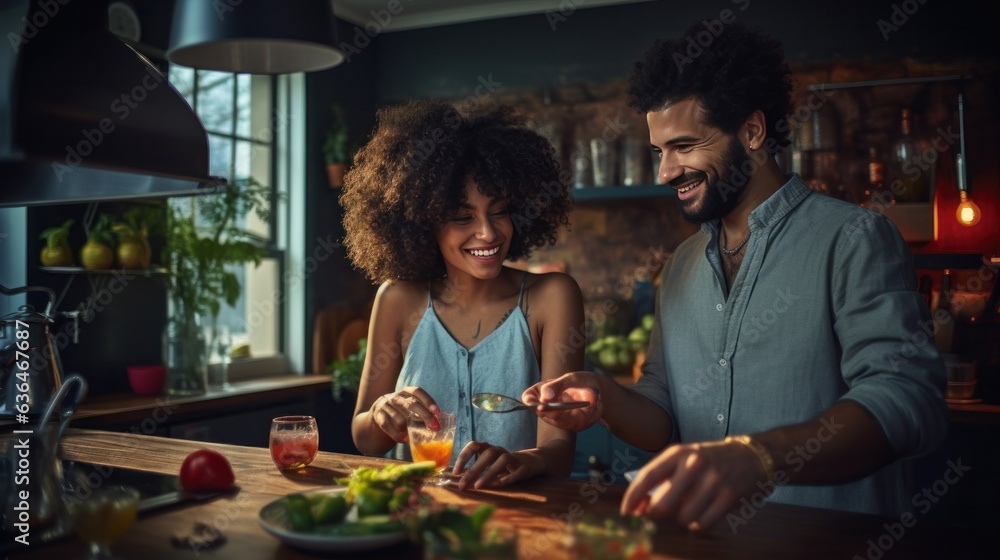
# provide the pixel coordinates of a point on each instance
(184, 350)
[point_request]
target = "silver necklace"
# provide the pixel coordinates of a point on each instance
(734, 250)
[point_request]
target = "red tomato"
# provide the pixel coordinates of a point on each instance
(206, 471)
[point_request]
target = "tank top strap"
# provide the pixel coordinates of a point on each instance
(520, 295)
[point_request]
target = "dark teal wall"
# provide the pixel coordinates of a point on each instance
(599, 44)
(594, 45)
(352, 84)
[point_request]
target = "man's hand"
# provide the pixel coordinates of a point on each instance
(575, 386)
(694, 485)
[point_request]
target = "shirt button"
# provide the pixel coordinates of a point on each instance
(463, 352)
(461, 430)
(723, 362)
(461, 394)
(718, 307)
(720, 418)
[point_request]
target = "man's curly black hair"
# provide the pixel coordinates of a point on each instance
(412, 175)
(738, 72)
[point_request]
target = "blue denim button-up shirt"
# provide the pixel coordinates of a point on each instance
(824, 307)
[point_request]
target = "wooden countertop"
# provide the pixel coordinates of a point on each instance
(537, 508)
(103, 410)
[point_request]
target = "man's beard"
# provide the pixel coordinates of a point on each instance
(719, 197)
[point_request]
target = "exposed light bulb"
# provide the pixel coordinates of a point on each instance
(968, 214)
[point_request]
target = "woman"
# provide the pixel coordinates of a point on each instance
(434, 205)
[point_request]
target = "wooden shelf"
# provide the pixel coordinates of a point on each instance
(588, 194)
(103, 410)
(154, 271)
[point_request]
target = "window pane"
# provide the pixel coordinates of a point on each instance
(243, 105)
(220, 156)
(234, 317)
(262, 307)
(215, 101)
(252, 160)
(243, 159)
(263, 124)
(183, 79)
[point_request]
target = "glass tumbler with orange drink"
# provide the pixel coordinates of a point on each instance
(294, 441)
(429, 444)
(102, 516)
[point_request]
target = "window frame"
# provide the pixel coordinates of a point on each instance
(255, 367)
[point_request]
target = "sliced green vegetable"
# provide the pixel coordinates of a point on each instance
(373, 501)
(329, 509)
(299, 513)
(480, 515)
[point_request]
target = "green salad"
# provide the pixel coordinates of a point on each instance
(450, 533)
(627, 538)
(373, 502)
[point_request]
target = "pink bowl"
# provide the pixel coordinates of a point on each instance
(147, 380)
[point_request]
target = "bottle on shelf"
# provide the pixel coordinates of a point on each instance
(944, 321)
(908, 177)
(877, 196)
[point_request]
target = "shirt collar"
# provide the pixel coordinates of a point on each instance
(772, 210)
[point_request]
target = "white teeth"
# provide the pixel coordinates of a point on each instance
(488, 253)
(686, 189)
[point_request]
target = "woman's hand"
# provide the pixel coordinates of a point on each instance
(390, 412)
(494, 467)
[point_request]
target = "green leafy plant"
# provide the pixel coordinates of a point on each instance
(56, 251)
(197, 255)
(98, 252)
(346, 374)
(133, 236)
(335, 148)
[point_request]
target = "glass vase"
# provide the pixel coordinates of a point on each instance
(184, 351)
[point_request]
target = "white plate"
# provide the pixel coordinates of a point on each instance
(274, 520)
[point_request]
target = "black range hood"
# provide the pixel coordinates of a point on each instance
(84, 117)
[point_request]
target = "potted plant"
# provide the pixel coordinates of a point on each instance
(345, 375)
(200, 243)
(335, 149)
(133, 251)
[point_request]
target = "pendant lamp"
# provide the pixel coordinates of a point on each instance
(968, 212)
(254, 36)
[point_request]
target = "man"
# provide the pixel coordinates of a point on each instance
(790, 350)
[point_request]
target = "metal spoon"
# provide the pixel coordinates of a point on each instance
(495, 402)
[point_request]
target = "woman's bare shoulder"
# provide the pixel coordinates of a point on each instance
(552, 291)
(400, 295)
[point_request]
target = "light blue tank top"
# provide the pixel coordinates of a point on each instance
(503, 362)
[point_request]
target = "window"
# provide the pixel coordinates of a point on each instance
(239, 113)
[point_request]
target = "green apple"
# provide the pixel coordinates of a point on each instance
(608, 358)
(625, 358)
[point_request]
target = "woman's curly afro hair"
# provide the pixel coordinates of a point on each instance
(411, 177)
(730, 75)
